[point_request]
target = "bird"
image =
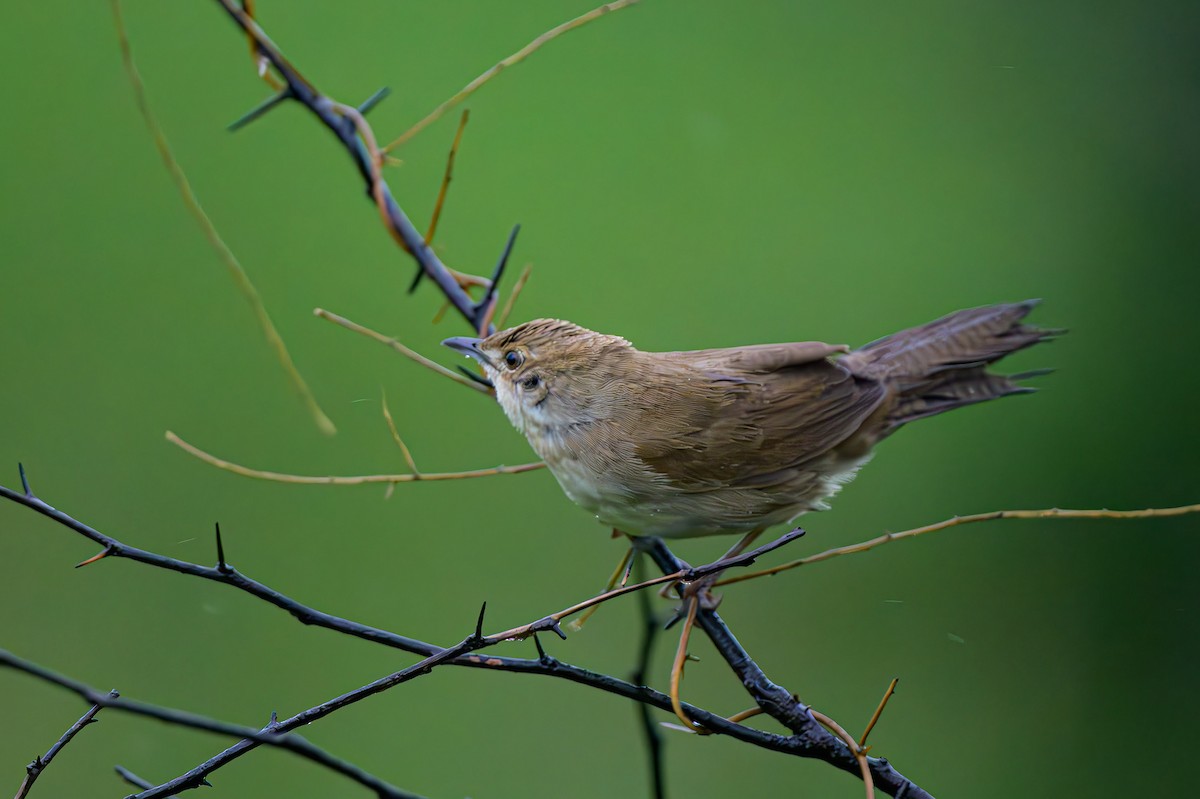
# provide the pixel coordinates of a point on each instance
(736, 440)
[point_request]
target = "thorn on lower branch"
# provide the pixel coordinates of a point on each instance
(259, 110)
(132, 778)
(479, 622)
(222, 566)
(104, 553)
(24, 481)
(557, 630)
(374, 100)
(416, 281)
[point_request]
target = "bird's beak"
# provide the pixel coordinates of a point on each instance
(469, 346)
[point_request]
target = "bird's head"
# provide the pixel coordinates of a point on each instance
(548, 373)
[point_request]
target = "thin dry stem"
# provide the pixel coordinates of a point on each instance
(855, 750)
(677, 667)
(749, 713)
(304, 479)
(262, 65)
(525, 630)
(891, 689)
(1047, 513)
(495, 70)
(517, 288)
(236, 271)
(400, 348)
(441, 198)
(387, 417)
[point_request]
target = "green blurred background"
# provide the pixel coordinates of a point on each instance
(688, 175)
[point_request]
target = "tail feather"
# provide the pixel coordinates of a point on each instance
(942, 365)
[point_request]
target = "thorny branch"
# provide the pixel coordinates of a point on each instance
(808, 734)
(544, 665)
(352, 131)
(274, 734)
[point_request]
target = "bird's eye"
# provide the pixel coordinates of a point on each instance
(531, 382)
(513, 359)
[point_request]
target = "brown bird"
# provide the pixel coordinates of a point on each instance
(683, 444)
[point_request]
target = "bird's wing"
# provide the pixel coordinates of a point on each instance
(752, 416)
(760, 358)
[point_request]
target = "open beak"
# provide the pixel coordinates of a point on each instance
(469, 346)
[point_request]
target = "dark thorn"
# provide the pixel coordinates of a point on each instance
(374, 100)
(24, 480)
(205, 783)
(132, 778)
(259, 110)
(222, 566)
(542, 656)
(416, 281)
(489, 296)
(479, 622)
(478, 378)
(678, 617)
(554, 628)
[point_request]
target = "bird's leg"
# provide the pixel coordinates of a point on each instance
(620, 576)
(695, 595)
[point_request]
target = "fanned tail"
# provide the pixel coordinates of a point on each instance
(942, 365)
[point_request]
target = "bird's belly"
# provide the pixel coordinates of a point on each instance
(612, 500)
(660, 511)
(644, 504)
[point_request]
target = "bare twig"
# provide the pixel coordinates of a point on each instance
(496, 69)
(682, 574)
(441, 198)
(853, 746)
(887, 538)
(681, 655)
(408, 458)
(517, 288)
(749, 713)
(891, 689)
(350, 480)
(654, 743)
(236, 271)
(39, 764)
(133, 779)
(261, 65)
(412, 355)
